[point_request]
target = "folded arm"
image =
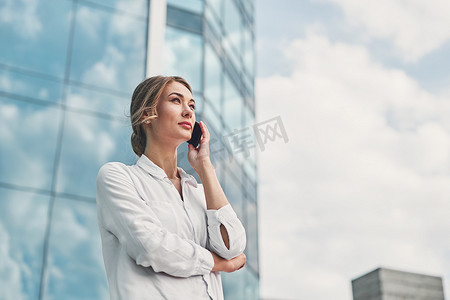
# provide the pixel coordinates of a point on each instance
(138, 229)
(226, 233)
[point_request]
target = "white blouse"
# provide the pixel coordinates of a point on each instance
(155, 244)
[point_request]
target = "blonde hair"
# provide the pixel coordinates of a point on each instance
(145, 98)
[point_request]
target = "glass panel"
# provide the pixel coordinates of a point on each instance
(213, 78)
(184, 19)
(252, 286)
(108, 49)
(36, 34)
(214, 20)
(93, 100)
(252, 191)
(250, 167)
(195, 6)
(249, 84)
(233, 58)
(218, 152)
(233, 192)
(75, 265)
(250, 157)
(217, 7)
(233, 29)
(183, 54)
(23, 219)
(252, 235)
(249, 118)
(211, 117)
(248, 51)
(33, 86)
(88, 143)
(248, 6)
(28, 133)
(232, 106)
(138, 7)
(234, 284)
(199, 105)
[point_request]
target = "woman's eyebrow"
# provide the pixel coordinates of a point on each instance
(179, 95)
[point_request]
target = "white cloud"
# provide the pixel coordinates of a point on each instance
(21, 136)
(363, 181)
(22, 17)
(415, 27)
(89, 20)
(105, 71)
(10, 275)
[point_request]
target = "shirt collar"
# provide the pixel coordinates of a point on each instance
(156, 171)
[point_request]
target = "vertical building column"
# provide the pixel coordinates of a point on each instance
(155, 39)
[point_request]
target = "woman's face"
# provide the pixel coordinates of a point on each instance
(175, 107)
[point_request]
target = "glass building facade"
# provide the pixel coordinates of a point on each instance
(67, 72)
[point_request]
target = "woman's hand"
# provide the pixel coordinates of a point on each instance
(200, 156)
(228, 266)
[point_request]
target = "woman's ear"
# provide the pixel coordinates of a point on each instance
(146, 117)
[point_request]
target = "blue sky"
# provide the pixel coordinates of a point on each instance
(363, 90)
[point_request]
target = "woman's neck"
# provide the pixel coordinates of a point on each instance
(164, 157)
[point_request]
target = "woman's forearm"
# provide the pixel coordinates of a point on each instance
(223, 265)
(215, 197)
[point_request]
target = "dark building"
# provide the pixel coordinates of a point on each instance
(386, 284)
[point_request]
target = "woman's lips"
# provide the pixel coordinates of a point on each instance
(185, 125)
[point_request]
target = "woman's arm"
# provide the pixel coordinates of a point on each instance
(226, 233)
(123, 213)
(215, 197)
(221, 264)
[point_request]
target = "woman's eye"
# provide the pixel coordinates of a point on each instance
(193, 106)
(176, 99)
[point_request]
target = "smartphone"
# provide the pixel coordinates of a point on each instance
(196, 135)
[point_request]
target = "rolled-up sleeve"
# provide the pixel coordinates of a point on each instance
(126, 215)
(236, 233)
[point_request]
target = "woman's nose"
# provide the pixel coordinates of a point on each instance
(187, 112)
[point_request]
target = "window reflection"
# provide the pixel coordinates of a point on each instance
(107, 103)
(213, 78)
(35, 86)
(213, 16)
(184, 19)
(218, 152)
(248, 51)
(233, 29)
(250, 160)
(111, 56)
(88, 143)
(233, 284)
(234, 192)
(217, 6)
(28, 133)
(195, 6)
(22, 228)
(183, 54)
(75, 253)
(213, 118)
(36, 35)
(138, 7)
(232, 106)
(252, 286)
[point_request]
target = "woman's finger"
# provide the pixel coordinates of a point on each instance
(205, 130)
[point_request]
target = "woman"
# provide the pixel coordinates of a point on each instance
(164, 236)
